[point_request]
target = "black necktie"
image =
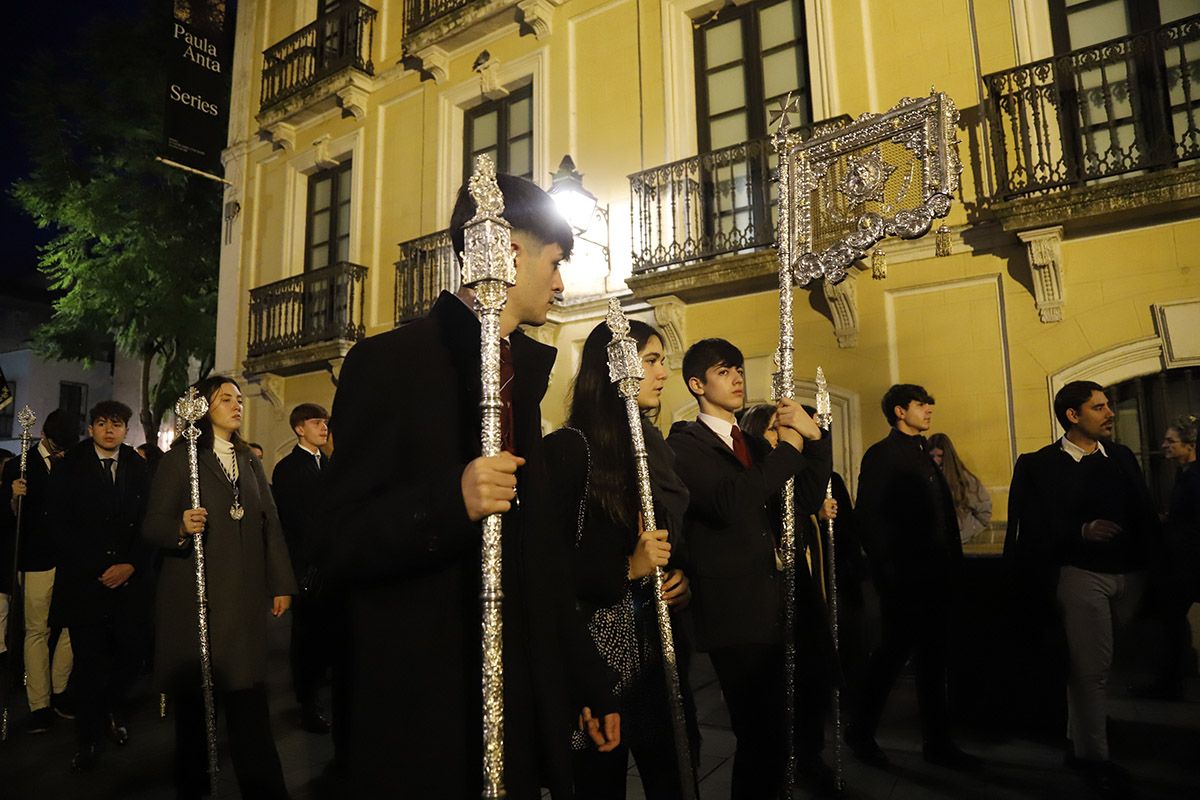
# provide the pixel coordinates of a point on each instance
(108, 468)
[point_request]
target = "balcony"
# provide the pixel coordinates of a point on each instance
(427, 266)
(306, 321)
(328, 60)
(704, 210)
(1099, 130)
(435, 28)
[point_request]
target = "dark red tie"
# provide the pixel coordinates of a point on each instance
(506, 409)
(739, 446)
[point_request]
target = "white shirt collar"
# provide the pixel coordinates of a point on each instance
(101, 455)
(1077, 453)
(43, 451)
(314, 452)
(722, 428)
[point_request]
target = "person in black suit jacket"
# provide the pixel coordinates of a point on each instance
(406, 489)
(737, 587)
(910, 532)
(97, 501)
(296, 484)
(1080, 527)
(47, 652)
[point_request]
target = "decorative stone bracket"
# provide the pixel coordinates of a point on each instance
(353, 101)
(281, 135)
(670, 314)
(489, 81)
(321, 157)
(435, 61)
(1045, 264)
(537, 15)
(271, 388)
(843, 305)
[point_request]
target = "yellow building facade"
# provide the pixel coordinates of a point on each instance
(1074, 243)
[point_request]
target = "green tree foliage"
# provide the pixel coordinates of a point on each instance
(134, 247)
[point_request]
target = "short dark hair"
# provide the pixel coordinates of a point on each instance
(255, 446)
(901, 394)
(110, 410)
(706, 354)
(526, 207)
(61, 428)
(1072, 396)
(306, 411)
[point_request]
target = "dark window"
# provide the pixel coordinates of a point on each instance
(747, 59)
(1144, 407)
(1082, 23)
(328, 232)
(502, 129)
(8, 415)
(72, 401)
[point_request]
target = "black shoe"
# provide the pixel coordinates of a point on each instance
(62, 706)
(1107, 780)
(1157, 689)
(39, 721)
(865, 748)
(117, 730)
(946, 754)
(313, 720)
(85, 758)
(816, 776)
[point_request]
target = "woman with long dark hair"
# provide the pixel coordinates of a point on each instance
(592, 456)
(972, 503)
(248, 576)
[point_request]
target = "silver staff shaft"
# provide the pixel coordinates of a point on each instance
(25, 418)
(831, 583)
(625, 370)
(488, 269)
(190, 408)
(785, 389)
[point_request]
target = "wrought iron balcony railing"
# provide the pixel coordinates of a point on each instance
(1125, 105)
(701, 207)
(338, 40)
(420, 13)
(324, 305)
(427, 266)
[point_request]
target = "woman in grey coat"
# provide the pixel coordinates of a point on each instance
(248, 575)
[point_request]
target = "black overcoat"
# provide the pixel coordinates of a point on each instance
(397, 537)
(246, 566)
(906, 518)
(296, 486)
(730, 526)
(37, 544)
(96, 523)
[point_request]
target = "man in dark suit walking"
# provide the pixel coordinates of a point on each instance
(730, 528)
(98, 498)
(910, 532)
(1080, 521)
(405, 491)
(296, 485)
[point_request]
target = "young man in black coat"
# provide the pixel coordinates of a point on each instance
(406, 490)
(909, 529)
(296, 485)
(101, 590)
(47, 655)
(730, 527)
(1080, 523)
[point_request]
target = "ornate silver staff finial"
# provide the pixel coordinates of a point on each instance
(625, 370)
(25, 418)
(488, 267)
(190, 408)
(824, 406)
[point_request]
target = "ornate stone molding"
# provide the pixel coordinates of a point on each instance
(271, 388)
(843, 305)
(1045, 263)
(435, 61)
(321, 157)
(670, 315)
(281, 135)
(724, 276)
(538, 16)
(489, 81)
(353, 101)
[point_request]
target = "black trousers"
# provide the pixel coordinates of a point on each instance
(107, 660)
(251, 747)
(601, 776)
(311, 653)
(910, 624)
(751, 678)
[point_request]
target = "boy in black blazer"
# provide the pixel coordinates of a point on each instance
(737, 586)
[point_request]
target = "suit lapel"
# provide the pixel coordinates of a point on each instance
(709, 435)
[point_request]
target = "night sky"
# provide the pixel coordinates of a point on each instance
(48, 27)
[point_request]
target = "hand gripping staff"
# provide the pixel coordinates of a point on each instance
(489, 269)
(190, 408)
(785, 388)
(25, 418)
(824, 419)
(625, 370)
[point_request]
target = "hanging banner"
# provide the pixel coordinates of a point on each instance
(198, 84)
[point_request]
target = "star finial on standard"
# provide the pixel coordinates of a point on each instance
(781, 115)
